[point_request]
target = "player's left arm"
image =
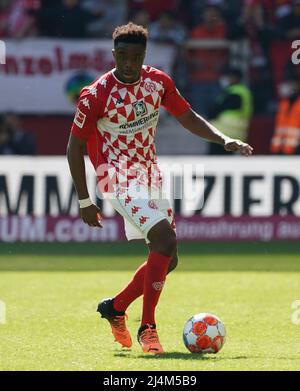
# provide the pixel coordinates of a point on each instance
(196, 124)
(176, 105)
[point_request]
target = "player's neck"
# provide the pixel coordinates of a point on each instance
(122, 80)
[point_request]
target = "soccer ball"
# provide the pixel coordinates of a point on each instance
(204, 333)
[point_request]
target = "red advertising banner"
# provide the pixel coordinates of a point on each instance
(228, 228)
(50, 72)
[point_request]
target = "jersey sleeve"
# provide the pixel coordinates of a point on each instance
(172, 100)
(87, 113)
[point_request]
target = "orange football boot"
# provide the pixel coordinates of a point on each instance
(149, 341)
(117, 322)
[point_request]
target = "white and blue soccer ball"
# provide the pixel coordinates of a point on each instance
(204, 333)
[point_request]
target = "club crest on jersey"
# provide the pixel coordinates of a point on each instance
(79, 119)
(150, 86)
(140, 108)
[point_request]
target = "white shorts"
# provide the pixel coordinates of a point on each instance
(140, 211)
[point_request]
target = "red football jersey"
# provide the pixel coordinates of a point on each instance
(119, 122)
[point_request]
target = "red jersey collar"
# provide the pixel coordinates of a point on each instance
(121, 82)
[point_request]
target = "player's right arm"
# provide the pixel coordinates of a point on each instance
(84, 124)
(75, 154)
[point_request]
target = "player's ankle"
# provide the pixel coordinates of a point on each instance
(146, 326)
(116, 309)
(106, 309)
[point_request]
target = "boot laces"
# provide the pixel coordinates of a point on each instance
(149, 335)
(119, 322)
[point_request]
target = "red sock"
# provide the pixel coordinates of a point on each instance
(132, 291)
(155, 276)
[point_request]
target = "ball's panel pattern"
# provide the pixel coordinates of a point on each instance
(192, 338)
(211, 320)
(217, 343)
(188, 326)
(194, 348)
(212, 331)
(185, 340)
(208, 350)
(204, 333)
(203, 342)
(199, 328)
(199, 317)
(221, 329)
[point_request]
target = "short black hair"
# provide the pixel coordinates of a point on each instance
(130, 33)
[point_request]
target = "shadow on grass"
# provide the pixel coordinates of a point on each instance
(180, 356)
(207, 357)
(127, 353)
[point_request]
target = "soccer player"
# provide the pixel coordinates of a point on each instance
(116, 119)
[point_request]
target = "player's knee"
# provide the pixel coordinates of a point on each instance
(170, 243)
(167, 243)
(163, 238)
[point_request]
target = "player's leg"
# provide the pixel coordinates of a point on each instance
(116, 316)
(174, 261)
(136, 286)
(114, 309)
(140, 217)
(163, 244)
(117, 320)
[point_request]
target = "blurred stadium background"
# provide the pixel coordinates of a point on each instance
(236, 62)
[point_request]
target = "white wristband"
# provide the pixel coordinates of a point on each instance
(85, 203)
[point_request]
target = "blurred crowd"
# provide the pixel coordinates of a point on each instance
(14, 140)
(168, 20)
(247, 36)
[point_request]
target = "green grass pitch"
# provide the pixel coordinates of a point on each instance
(51, 294)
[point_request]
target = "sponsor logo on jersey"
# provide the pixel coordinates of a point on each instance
(119, 101)
(103, 82)
(80, 118)
(93, 91)
(142, 121)
(135, 209)
(86, 102)
(128, 199)
(140, 108)
(143, 220)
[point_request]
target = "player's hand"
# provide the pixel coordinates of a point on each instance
(91, 216)
(244, 149)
